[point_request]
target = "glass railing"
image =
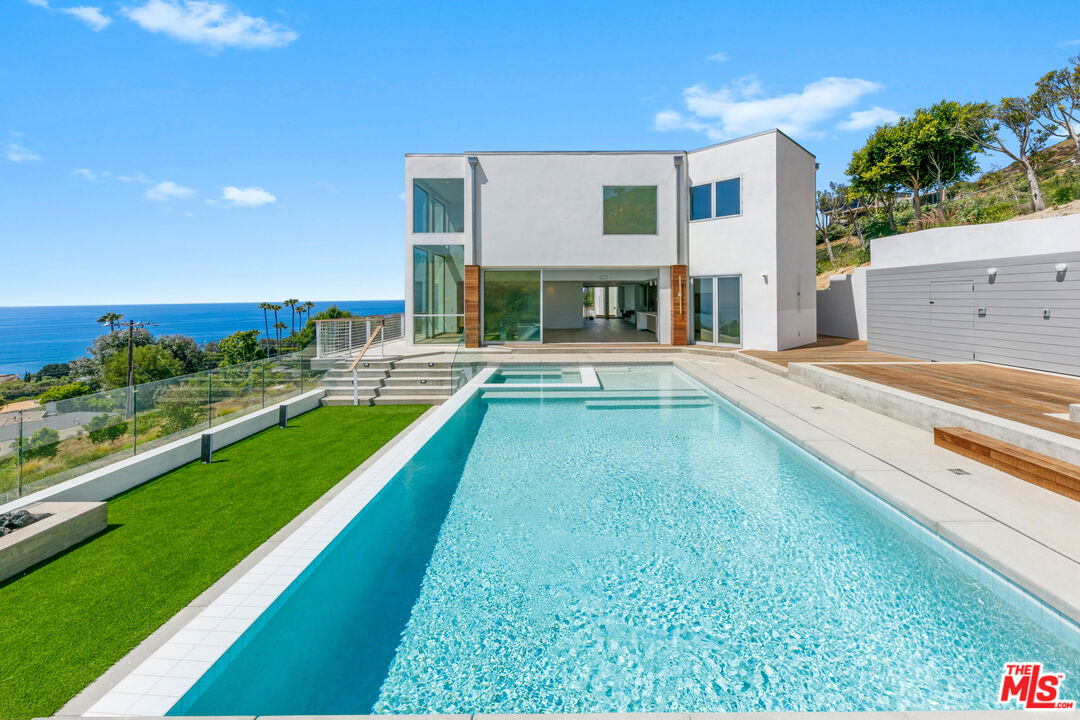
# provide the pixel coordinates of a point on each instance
(464, 365)
(59, 440)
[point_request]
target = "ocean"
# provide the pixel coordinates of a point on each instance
(31, 337)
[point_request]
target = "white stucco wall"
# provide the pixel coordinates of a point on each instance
(745, 244)
(841, 308)
(977, 242)
(796, 274)
(546, 210)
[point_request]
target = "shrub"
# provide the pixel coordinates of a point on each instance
(1062, 195)
(995, 212)
(101, 431)
(63, 392)
(41, 444)
(240, 347)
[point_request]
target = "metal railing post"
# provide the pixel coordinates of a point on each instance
(20, 450)
(382, 337)
(210, 398)
(134, 419)
(263, 385)
(355, 389)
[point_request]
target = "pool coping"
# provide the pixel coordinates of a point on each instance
(204, 645)
(161, 670)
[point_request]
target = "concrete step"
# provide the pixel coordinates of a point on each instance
(395, 381)
(347, 382)
(411, 400)
(360, 372)
(402, 391)
(345, 400)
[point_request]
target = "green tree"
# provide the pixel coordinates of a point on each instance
(990, 126)
(192, 358)
(41, 444)
(871, 181)
(111, 319)
(916, 153)
(63, 392)
(181, 407)
(240, 347)
(274, 309)
(265, 307)
(829, 202)
(150, 363)
(278, 328)
(306, 336)
(105, 346)
(1055, 104)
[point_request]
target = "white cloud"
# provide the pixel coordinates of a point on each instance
(16, 153)
(866, 119)
(85, 173)
(247, 197)
(40, 3)
(742, 107)
(210, 23)
(1070, 43)
(168, 190)
(140, 178)
(92, 16)
(718, 57)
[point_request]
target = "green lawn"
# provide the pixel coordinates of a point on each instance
(67, 621)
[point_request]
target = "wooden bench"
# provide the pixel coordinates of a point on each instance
(1042, 470)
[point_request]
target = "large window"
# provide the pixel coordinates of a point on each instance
(439, 206)
(701, 202)
(511, 306)
(438, 293)
(629, 209)
(729, 197)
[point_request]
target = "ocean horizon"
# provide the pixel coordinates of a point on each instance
(34, 336)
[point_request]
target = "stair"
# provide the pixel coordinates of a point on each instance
(389, 382)
(1036, 468)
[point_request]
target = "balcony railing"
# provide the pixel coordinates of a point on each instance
(343, 337)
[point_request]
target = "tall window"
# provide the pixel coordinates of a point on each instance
(701, 202)
(438, 293)
(629, 209)
(511, 306)
(729, 197)
(439, 205)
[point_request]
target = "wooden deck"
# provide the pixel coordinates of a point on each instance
(826, 349)
(1021, 395)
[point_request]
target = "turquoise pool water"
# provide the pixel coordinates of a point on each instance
(644, 548)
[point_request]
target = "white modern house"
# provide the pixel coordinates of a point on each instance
(712, 246)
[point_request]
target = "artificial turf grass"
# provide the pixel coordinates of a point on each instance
(65, 622)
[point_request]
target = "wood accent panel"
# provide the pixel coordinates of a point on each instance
(680, 304)
(1037, 469)
(1012, 393)
(472, 306)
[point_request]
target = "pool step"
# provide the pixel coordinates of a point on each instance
(1036, 468)
(643, 404)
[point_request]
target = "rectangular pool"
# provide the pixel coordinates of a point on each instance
(645, 547)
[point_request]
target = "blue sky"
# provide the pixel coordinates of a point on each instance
(180, 151)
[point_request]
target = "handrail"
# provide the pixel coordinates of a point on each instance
(365, 348)
(352, 368)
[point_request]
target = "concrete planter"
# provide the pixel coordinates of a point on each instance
(68, 523)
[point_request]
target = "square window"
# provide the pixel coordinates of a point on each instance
(729, 197)
(701, 202)
(439, 205)
(629, 209)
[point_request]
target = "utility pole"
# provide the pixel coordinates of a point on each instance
(131, 364)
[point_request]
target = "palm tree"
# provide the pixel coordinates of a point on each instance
(266, 322)
(291, 304)
(279, 326)
(274, 309)
(111, 319)
(304, 308)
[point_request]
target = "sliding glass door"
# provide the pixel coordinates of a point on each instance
(717, 310)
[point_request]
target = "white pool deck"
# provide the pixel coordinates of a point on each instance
(1027, 534)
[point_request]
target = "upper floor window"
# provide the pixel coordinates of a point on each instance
(629, 209)
(724, 196)
(729, 197)
(439, 205)
(701, 202)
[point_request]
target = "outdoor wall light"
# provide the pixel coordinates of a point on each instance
(991, 271)
(1061, 267)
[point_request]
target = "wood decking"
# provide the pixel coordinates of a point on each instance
(1021, 395)
(826, 349)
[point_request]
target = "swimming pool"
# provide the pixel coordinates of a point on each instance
(644, 547)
